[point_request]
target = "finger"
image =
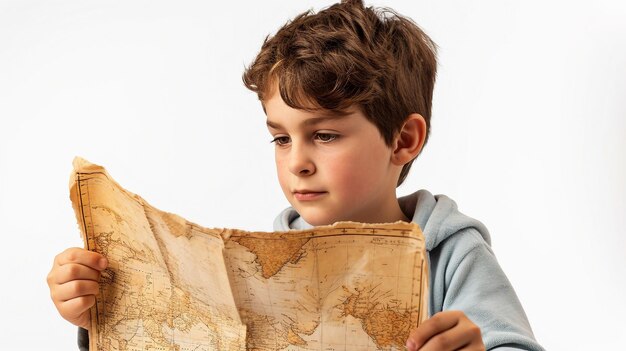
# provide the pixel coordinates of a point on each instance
(82, 256)
(74, 271)
(74, 308)
(455, 338)
(475, 336)
(74, 289)
(434, 325)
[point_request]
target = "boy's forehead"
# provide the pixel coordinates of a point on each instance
(273, 94)
(308, 121)
(308, 103)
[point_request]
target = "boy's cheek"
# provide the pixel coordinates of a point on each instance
(281, 172)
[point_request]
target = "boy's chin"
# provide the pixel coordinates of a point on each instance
(318, 218)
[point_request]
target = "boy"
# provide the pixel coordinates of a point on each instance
(347, 93)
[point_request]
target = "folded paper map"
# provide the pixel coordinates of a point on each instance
(174, 285)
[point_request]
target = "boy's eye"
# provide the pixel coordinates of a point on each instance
(326, 137)
(281, 140)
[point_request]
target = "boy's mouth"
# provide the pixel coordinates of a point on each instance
(307, 195)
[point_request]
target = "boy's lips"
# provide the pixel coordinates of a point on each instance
(307, 195)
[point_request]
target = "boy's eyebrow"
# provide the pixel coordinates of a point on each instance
(272, 124)
(308, 122)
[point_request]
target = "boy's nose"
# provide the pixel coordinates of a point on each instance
(300, 164)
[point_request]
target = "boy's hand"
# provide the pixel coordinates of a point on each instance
(447, 330)
(73, 283)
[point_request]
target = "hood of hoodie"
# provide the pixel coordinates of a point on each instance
(437, 216)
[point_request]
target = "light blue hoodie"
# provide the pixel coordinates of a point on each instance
(464, 273)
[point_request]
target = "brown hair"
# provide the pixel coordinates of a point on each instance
(349, 55)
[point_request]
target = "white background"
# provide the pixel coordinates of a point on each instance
(528, 136)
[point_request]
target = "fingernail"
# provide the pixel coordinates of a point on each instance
(410, 345)
(103, 263)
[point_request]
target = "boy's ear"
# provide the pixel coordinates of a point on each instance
(410, 140)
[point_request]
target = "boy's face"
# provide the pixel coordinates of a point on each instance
(333, 168)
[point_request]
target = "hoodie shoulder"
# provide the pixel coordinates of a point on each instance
(439, 217)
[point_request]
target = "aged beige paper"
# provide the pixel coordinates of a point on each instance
(174, 285)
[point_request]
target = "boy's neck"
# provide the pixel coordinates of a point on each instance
(396, 214)
(391, 212)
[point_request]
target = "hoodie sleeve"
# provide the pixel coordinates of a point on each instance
(466, 276)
